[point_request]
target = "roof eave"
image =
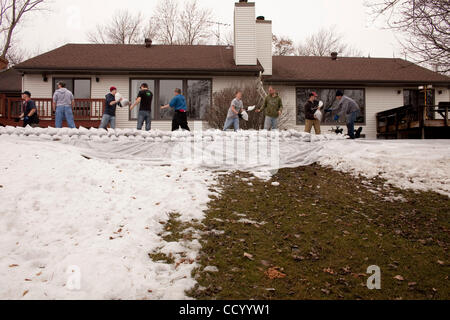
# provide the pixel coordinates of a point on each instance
(241, 71)
(357, 82)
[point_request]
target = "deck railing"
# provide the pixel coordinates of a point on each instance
(392, 121)
(84, 109)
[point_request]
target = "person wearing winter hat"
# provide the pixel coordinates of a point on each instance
(349, 108)
(29, 115)
(109, 116)
(311, 107)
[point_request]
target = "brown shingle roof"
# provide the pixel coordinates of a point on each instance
(106, 57)
(352, 70)
(10, 81)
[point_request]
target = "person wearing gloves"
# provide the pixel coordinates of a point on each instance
(109, 116)
(273, 108)
(311, 107)
(29, 114)
(234, 113)
(178, 103)
(348, 107)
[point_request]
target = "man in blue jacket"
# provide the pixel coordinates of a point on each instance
(178, 103)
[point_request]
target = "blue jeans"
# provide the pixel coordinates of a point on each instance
(64, 112)
(231, 121)
(351, 119)
(108, 119)
(271, 123)
(147, 117)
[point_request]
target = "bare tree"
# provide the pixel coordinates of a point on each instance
(324, 42)
(282, 46)
(166, 17)
(124, 28)
(195, 26)
(12, 12)
(426, 26)
(217, 113)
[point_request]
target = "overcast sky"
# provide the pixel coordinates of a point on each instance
(68, 21)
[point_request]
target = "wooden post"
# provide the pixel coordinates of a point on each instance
(446, 116)
(9, 109)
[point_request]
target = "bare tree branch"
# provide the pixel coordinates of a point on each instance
(282, 46)
(124, 28)
(194, 25)
(166, 16)
(426, 26)
(12, 13)
(324, 42)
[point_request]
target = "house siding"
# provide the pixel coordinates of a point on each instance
(264, 45)
(377, 100)
(245, 35)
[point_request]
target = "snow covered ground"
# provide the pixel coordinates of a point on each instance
(88, 204)
(102, 218)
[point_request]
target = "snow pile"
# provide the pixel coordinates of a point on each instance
(408, 164)
(61, 213)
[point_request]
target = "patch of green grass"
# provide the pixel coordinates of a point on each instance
(323, 229)
(174, 231)
(161, 257)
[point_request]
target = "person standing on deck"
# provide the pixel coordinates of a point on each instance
(273, 109)
(349, 108)
(63, 102)
(178, 103)
(29, 115)
(109, 117)
(145, 98)
(311, 107)
(235, 110)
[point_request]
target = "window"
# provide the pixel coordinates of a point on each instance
(416, 98)
(81, 88)
(135, 88)
(199, 98)
(198, 93)
(166, 93)
(328, 96)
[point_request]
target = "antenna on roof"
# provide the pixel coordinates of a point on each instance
(219, 24)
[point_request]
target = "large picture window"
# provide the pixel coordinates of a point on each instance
(166, 89)
(199, 98)
(81, 88)
(198, 93)
(328, 96)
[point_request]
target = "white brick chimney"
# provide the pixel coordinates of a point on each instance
(252, 37)
(245, 52)
(264, 44)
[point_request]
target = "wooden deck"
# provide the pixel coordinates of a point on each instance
(87, 112)
(410, 122)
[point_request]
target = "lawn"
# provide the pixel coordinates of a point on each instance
(314, 236)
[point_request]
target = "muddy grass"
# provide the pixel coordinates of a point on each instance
(315, 235)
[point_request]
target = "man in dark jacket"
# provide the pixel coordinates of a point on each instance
(29, 115)
(109, 116)
(311, 107)
(349, 108)
(144, 100)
